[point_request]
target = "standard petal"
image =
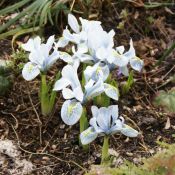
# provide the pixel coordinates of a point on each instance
(94, 110)
(131, 52)
(71, 112)
(88, 136)
(67, 35)
(94, 90)
(128, 131)
(102, 53)
(136, 63)
(50, 42)
(73, 23)
(104, 119)
(78, 93)
(61, 83)
(52, 58)
(30, 71)
(111, 91)
(67, 93)
(114, 112)
(70, 73)
(32, 44)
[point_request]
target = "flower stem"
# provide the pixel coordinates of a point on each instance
(105, 154)
(83, 126)
(45, 109)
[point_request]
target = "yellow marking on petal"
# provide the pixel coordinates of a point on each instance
(87, 132)
(30, 68)
(98, 70)
(71, 108)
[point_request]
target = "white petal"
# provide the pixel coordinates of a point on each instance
(88, 136)
(78, 93)
(66, 57)
(82, 48)
(85, 58)
(128, 131)
(117, 127)
(62, 42)
(101, 53)
(67, 35)
(136, 63)
(111, 91)
(50, 42)
(73, 23)
(30, 71)
(131, 53)
(61, 83)
(32, 44)
(119, 60)
(67, 93)
(71, 112)
(124, 70)
(70, 73)
(120, 49)
(93, 123)
(114, 111)
(94, 110)
(95, 90)
(52, 58)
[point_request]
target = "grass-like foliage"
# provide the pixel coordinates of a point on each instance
(31, 15)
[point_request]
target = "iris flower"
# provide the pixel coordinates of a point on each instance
(105, 122)
(75, 97)
(121, 59)
(41, 57)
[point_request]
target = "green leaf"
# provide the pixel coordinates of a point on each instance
(127, 86)
(13, 7)
(166, 100)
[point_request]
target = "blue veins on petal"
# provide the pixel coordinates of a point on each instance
(71, 112)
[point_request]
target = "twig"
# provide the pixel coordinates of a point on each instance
(39, 120)
(16, 120)
(46, 154)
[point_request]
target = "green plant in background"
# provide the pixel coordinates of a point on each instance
(162, 163)
(128, 84)
(31, 15)
(166, 100)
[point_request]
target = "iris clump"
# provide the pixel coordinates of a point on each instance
(40, 60)
(87, 75)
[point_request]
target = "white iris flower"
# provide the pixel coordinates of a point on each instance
(40, 58)
(106, 121)
(121, 59)
(75, 97)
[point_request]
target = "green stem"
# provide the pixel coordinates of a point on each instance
(83, 126)
(105, 154)
(44, 96)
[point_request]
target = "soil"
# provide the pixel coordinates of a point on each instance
(53, 147)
